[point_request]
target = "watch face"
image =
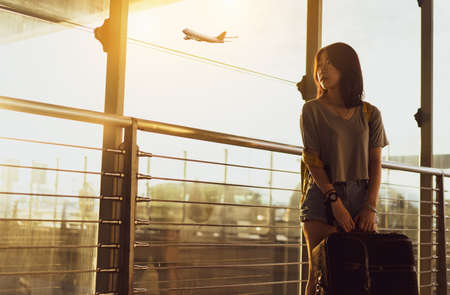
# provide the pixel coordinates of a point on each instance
(332, 197)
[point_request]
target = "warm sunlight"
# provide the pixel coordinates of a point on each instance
(218, 211)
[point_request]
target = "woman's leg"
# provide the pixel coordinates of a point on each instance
(315, 232)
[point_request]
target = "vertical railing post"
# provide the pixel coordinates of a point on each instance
(303, 268)
(424, 119)
(306, 86)
(113, 37)
(441, 249)
(128, 210)
(271, 211)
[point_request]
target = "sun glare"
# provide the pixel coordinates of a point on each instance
(230, 3)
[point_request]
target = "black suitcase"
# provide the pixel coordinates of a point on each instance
(365, 263)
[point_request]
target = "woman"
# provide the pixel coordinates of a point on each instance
(342, 150)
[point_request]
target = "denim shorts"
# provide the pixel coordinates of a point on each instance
(354, 195)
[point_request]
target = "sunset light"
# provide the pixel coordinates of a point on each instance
(171, 159)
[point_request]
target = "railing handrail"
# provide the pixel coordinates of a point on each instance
(76, 114)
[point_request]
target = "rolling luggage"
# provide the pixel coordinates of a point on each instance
(365, 263)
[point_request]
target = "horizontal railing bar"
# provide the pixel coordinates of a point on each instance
(235, 285)
(64, 145)
(408, 229)
(425, 244)
(410, 201)
(63, 220)
(113, 174)
(145, 222)
(19, 290)
(51, 110)
(170, 263)
(429, 202)
(211, 278)
(145, 154)
(60, 247)
(58, 111)
(36, 273)
(145, 244)
(165, 290)
(259, 293)
(425, 188)
(143, 267)
(144, 176)
(117, 198)
(417, 169)
(397, 200)
(429, 271)
(429, 257)
(217, 137)
(217, 203)
(409, 186)
(222, 260)
(140, 199)
(34, 265)
(406, 214)
(428, 285)
(63, 112)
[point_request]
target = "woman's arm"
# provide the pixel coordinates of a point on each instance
(322, 180)
(374, 175)
(366, 218)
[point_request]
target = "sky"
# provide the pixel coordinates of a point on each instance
(67, 66)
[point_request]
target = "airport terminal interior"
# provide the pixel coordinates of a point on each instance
(154, 146)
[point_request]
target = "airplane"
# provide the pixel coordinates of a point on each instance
(192, 35)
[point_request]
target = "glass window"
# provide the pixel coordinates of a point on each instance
(245, 86)
(29, 196)
(213, 212)
(50, 49)
(441, 80)
(65, 65)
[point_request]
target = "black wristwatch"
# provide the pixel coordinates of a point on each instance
(332, 197)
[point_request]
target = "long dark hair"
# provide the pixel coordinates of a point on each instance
(344, 58)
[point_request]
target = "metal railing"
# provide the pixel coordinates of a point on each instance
(132, 226)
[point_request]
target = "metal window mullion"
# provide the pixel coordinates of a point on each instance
(426, 128)
(441, 247)
(127, 231)
(313, 44)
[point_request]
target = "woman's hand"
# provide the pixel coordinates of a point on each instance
(366, 220)
(342, 216)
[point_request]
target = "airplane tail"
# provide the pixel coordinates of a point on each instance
(222, 36)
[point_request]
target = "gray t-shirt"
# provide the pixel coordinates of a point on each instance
(343, 145)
